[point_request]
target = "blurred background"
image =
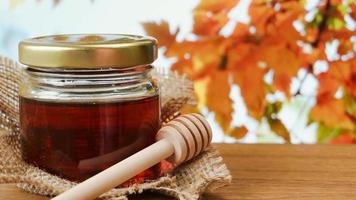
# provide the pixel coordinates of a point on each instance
(264, 71)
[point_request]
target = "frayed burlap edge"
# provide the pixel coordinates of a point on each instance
(187, 182)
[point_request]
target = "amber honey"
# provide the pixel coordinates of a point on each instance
(78, 140)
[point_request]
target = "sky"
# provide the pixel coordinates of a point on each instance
(31, 18)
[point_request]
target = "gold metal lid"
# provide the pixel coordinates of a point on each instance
(88, 51)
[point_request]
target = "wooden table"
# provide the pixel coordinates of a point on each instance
(272, 172)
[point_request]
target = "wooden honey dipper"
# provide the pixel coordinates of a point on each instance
(179, 140)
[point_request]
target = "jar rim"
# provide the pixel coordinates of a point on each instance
(78, 51)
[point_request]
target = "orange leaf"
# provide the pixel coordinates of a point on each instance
(331, 112)
(344, 139)
(161, 32)
(338, 75)
(238, 54)
(345, 47)
(260, 15)
(311, 34)
(183, 66)
(328, 85)
(343, 34)
(340, 70)
(187, 48)
(238, 132)
(208, 24)
(183, 49)
(197, 59)
(289, 12)
(282, 83)
(249, 77)
(307, 59)
(276, 23)
(218, 100)
(285, 66)
(351, 82)
(216, 6)
(281, 59)
(278, 127)
(241, 31)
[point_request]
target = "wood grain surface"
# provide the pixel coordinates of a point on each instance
(271, 172)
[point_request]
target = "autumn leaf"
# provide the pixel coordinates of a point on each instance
(289, 11)
(342, 34)
(241, 31)
(216, 44)
(285, 67)
(208, 24)
(238, 132)
(340, 75)
(249, 77)
(197, 59)
(160, 31)
(210, 16)
(328, 86)
(218, 98)
(238, 54)
(260, 15)
(282, 82)
(344, 139)
(214, 92)
(278, 127)
(350, 84)
(345, 46)
(184, 66)
(340, 70)
(350, 105)
(216, 6)
(326, 134)
(331, 112)
(308, 59)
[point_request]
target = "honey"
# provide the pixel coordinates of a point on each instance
(82, 139)
(89, 102)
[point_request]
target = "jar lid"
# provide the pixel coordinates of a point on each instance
(79, 51)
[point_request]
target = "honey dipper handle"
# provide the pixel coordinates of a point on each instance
(119, 173)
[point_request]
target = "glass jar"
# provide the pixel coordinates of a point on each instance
(88, 103)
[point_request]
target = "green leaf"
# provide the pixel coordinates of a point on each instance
(342, 9)
(273, 109)
(317, 20)
(335, 23)
(325, 134)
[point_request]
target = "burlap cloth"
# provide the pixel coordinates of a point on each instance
(188, 181)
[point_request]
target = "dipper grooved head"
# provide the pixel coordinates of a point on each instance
(190, 134)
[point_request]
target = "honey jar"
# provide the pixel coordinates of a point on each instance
(89, 102)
